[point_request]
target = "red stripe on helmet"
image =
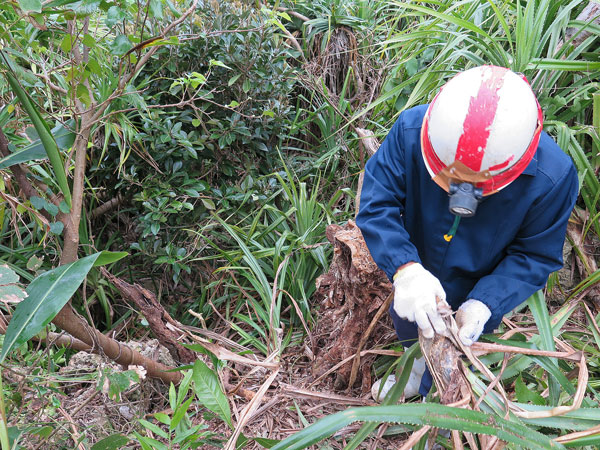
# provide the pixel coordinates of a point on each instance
(478, 123)
(502, 165)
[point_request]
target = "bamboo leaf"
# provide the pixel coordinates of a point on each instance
(45, 136)
(180, 413)
(47, 294)
(35, 151)
(208, 391)
(155, 429)
(266, 443)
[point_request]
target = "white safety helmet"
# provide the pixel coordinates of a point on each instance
(482, 129)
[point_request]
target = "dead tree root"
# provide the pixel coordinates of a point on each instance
(350, 294)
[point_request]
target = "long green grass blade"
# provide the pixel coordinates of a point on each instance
(562, 64)
(578, 420)
(585, 441)
(537, 305)
(3, 422)
(586, 283)
(431, 414)
(500, 16)
(596, 123)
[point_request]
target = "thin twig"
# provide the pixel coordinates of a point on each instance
(415, 437)
(293, 13)
(344, 361)
(249, 410)
(327, 397)
(578, 435)
(74, 431)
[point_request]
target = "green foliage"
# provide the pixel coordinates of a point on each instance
(243, 104)
(176, 429)
(116, 382)
(113, 442)
(233, 152)
(277, 253)
(45, 135)
(31, 5)
(62, 136)
(404, 365)
(10, 291)
(46, 295)
(537, 305)
(452, 36)
(178, 162)
(209, 393)
(4, 432)
(432, 414)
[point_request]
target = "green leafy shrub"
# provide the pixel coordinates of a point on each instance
(233, 77)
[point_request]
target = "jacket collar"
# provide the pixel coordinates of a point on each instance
(531, 168)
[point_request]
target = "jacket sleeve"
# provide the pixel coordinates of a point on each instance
(535, 252)
(382, 205)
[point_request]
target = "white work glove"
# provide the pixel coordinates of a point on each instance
(415, 292)
(471, 317)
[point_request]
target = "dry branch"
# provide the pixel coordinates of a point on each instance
(363, 340)
(51, 338)
(589, 14)
(249, 410)
(67, 319)
(443, 355)
(586, 262)
(106, 207)
(156, 315)
(226, 355)
(326, 397)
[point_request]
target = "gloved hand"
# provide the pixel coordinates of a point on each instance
(415, 292)
(471, 318)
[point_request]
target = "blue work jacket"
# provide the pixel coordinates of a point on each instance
(500, 256)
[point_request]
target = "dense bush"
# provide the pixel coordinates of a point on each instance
(233, 79)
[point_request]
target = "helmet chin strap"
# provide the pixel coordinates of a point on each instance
(464, 198)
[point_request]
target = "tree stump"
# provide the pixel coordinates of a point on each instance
(350, 294)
